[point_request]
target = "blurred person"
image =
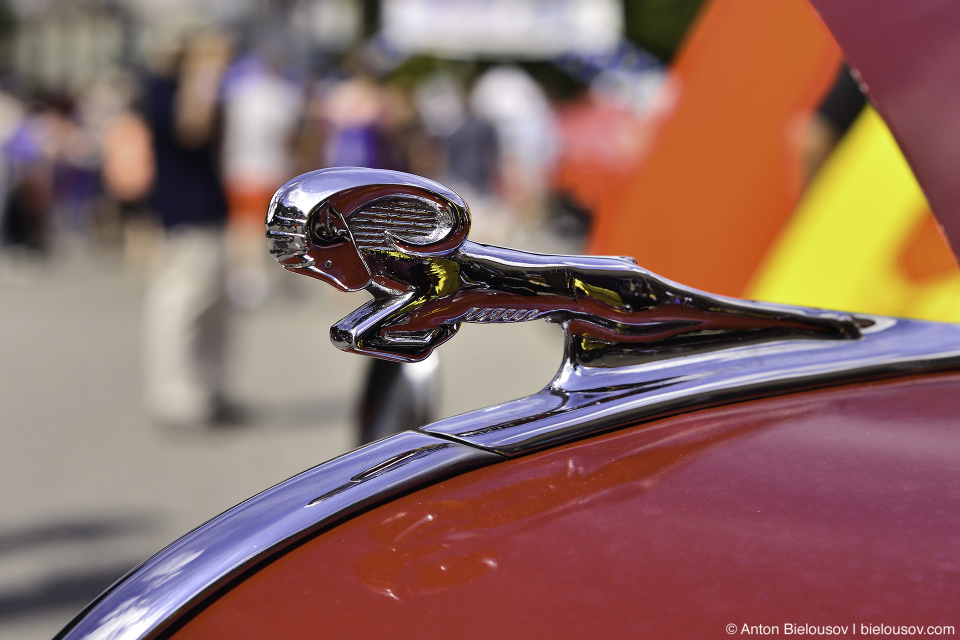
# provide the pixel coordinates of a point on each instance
(11, 115)
(128, 172)
(356, 112)
(263, 111)
(76, 163)
(412, 149)
(519, 109)
(469, 141)
(469, 144)
(185, 309)
(352, 110)
(107, 111)
(311, 138)
(28, 199)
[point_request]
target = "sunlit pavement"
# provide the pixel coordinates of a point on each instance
(90, 487)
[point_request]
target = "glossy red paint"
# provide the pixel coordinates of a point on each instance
(834, 507)
(908, 54)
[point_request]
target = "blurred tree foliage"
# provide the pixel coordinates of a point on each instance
(7, 19)
(7, 28)
(659, 25)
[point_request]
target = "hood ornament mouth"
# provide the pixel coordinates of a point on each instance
(403, 238)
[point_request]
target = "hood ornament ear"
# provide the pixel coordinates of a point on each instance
(404, 239)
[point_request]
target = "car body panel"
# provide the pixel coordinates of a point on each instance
(832, 507)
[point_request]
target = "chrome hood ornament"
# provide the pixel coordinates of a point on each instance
(403, 238)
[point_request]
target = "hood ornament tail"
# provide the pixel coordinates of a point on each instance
(403, 238)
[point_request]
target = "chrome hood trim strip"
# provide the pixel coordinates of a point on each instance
(581, 401)
(146, 600)
(585, 400)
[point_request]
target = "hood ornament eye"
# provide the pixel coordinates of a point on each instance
(327, 227)
(404, 239)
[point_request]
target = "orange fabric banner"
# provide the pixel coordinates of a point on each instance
(722, 176)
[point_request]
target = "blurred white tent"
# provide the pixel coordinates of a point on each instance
(514, 28)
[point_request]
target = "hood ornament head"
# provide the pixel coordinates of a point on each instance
(308, 230)
(403, 238)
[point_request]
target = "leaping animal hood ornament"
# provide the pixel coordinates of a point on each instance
(403, 238)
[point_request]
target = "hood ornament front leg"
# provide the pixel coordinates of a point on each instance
(404, 239)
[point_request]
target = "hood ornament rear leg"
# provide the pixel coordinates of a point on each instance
(404, 239)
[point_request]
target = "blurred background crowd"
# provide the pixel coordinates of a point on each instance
(157, 132)
(626, 124)
(720, 142)
(268, 89)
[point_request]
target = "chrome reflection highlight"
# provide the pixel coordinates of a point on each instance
(391, 464)
(153, 595)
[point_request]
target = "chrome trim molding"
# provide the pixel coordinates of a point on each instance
(154, 594)
(584, 400)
